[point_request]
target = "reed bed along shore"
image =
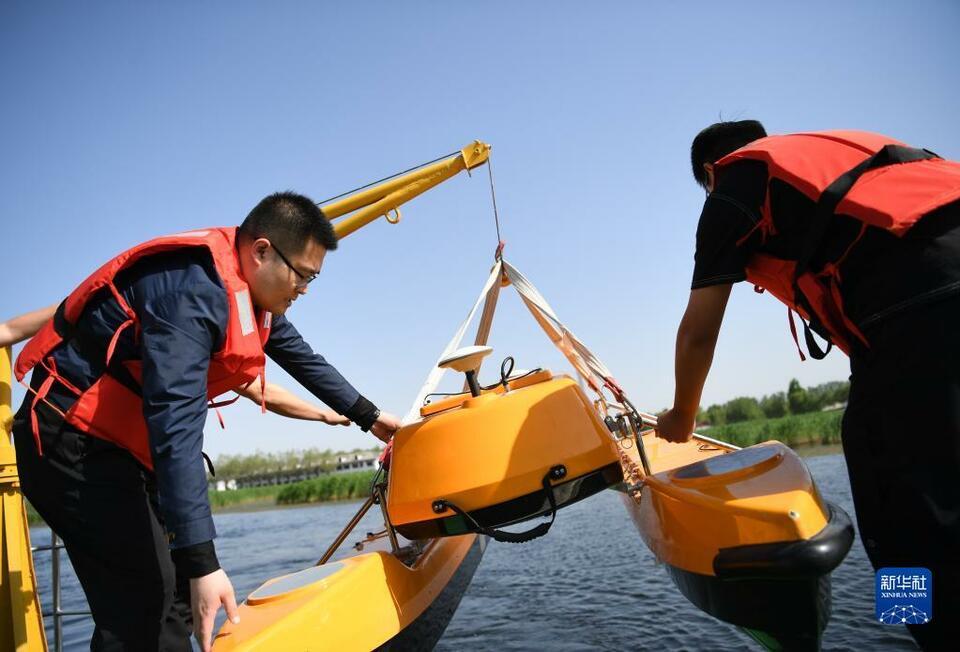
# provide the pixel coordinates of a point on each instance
(341, 486)
(812, 428)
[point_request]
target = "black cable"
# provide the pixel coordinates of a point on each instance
(392, 176)
(493, 197)
(529, 373)
(505, 378)
(505, 372)
(426, 399)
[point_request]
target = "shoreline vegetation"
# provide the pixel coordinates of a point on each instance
(796, 417)
(331, 488)
(795, 430)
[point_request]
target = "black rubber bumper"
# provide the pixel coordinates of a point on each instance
(778, 591)
(818, 555)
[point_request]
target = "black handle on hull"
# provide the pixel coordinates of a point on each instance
(555, 473)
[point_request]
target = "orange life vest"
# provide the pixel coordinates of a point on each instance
(877, 180)
(111, 408)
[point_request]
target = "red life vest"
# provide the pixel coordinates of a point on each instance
(874, 179)
(111, 408)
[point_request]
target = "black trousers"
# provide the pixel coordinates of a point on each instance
(103, 505)
(901, 440)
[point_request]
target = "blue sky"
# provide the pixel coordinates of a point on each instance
(122, 121)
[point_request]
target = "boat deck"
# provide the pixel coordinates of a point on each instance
(665, 456)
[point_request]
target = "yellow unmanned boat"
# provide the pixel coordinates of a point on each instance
(743, 533)
(481, 460)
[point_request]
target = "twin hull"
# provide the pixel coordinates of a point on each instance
(744, 533)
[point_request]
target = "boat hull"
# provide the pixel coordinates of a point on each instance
(368, 601)
(496, 456)
(780, 593)
(743, 533)
(425, 630)
(781, 614)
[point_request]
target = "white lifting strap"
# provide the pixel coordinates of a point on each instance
(588, 366)
(436, 373)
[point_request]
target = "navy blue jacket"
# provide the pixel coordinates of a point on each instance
(183, 311)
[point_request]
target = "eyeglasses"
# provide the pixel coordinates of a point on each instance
(305, 279)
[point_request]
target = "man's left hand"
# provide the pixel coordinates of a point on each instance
(332, 418)
(384, 427)
(676, 426)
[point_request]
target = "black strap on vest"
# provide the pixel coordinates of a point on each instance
(61, 326)
(69, 333)
(827, 204)
(512, 537)
(813, 347)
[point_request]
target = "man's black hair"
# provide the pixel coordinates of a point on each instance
(718, 140)
(289, 220)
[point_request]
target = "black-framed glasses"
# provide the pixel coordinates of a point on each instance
(305, 279)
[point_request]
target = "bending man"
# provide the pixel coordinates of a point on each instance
(874, 267)
(109, 438)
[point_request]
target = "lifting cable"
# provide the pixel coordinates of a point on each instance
(496, 215)
(493, 192)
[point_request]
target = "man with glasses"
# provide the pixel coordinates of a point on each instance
(304, 279)
(109, 438)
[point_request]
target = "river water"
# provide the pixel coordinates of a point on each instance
(591, 584)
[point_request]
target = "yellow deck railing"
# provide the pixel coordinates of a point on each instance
(21, 623)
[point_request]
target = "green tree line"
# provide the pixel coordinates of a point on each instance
(796, 400)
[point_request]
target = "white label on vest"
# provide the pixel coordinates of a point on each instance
(244, 311)
(267, 319)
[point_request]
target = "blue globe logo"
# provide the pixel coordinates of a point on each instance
(904, 615)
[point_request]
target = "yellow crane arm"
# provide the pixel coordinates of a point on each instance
(358, 209)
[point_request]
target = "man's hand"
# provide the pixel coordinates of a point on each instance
(331, 418)
(207, 593)
(673, 425)
(384, 427)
